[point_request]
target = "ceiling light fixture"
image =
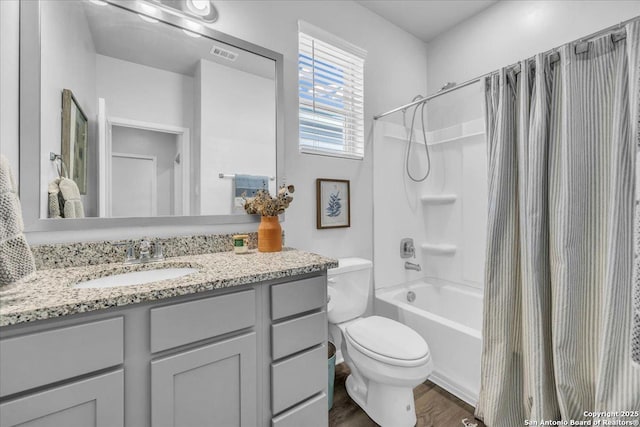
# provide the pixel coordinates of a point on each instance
(99, 2)
(203, 10)
(199, 7)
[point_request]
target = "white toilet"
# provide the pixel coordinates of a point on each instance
(387, 359)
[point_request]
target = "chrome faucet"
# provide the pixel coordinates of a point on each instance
(411, 266)
(144, 252)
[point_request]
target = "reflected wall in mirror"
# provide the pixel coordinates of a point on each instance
(172, 116)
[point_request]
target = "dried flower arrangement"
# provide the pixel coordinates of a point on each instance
(263, 204)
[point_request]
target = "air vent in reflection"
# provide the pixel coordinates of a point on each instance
(224, 53)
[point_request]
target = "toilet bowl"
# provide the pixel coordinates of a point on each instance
(387, 359)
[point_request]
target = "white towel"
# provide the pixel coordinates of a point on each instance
(16, 259)
(64, 199)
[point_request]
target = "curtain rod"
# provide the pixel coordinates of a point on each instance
(609, 29)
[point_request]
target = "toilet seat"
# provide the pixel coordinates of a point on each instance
(388, 341)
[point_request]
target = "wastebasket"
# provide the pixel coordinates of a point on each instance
(331, 350)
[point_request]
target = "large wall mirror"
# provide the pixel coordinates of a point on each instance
(132, 114)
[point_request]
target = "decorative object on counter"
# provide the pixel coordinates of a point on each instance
(269, 230)
(241, 243)
(74, 140)
(270, 234)
(16, 259)
(333, 203)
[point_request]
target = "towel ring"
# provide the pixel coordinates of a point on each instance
(57, 158)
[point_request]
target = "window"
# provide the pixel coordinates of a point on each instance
(330, 94)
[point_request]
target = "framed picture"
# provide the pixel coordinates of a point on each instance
(74, 140)
(333, 203)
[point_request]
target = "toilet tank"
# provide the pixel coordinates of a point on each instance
(349, 285)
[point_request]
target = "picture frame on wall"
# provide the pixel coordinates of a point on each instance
(74, 140)
(333, 198)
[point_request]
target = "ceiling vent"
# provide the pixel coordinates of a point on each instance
(224, 53)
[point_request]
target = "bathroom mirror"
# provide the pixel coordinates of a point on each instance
(180, 120)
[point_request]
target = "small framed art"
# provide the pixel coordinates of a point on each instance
(333, 203)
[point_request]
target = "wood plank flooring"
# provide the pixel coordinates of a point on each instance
(434, 406)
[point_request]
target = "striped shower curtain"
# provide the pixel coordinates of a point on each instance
(558, 281)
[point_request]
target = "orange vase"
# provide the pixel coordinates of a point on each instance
(269, 234)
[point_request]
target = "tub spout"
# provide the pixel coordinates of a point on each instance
(411, 266)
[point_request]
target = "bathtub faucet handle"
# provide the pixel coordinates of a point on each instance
(407, 249)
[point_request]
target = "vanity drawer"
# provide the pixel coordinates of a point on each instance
(184, 323)
(297, 334)
(43, 358)
(312, 413)
(296, 297)
(297, 378)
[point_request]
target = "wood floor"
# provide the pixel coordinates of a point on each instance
(434, 406)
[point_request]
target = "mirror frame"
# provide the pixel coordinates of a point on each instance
(30, 132)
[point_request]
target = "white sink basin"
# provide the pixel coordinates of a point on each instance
(135, 278)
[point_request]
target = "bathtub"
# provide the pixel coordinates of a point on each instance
(449, 318)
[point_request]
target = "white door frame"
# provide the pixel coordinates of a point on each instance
(104, 160)
(184, 145)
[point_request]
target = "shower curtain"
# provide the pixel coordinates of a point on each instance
(558, 279)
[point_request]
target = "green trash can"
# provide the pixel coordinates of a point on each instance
(331, 350)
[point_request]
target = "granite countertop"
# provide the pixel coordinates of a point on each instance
(48, 293)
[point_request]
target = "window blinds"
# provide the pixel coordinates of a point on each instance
(330, 93)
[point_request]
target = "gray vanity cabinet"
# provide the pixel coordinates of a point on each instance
(252, 355)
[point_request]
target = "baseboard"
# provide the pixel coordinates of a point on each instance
(454, 388)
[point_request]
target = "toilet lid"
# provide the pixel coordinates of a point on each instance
(388, 338)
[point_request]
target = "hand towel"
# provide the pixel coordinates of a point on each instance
(64, 199)
(247, 185)
(16, 259)
(56, 203)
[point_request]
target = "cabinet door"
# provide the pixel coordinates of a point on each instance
(96, 401)
(214, 385)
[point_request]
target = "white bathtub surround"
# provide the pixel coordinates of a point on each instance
(449, 317)
(557, 293)
(386, 358)
(445, 215)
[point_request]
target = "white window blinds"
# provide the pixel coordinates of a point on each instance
(330, 94)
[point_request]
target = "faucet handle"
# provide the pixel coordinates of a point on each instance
(129, 255)
(157, 251)
(407, 249)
